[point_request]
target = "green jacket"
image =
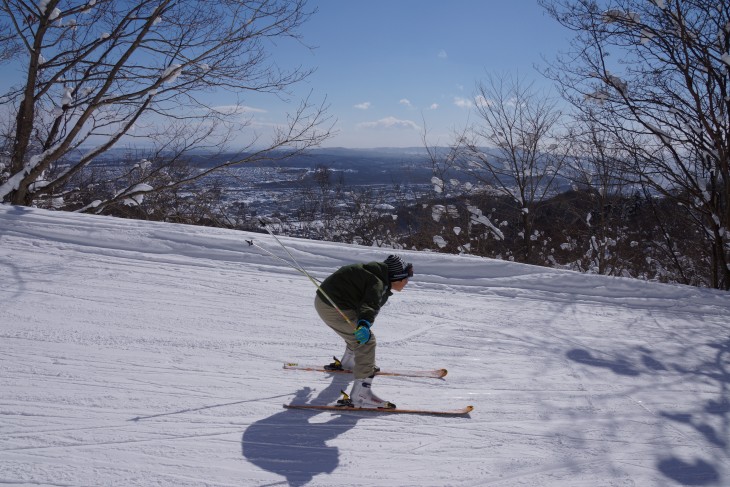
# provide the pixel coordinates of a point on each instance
(363, 288)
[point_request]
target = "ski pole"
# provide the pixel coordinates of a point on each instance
(268, 252)
(301, 269)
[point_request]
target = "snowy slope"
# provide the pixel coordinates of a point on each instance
(138, 353)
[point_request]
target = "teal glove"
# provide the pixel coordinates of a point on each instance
(362, 332)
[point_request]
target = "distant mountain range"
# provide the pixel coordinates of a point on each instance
(312, 156)
(377, 166)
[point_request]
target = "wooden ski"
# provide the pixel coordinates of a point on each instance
(432, 412)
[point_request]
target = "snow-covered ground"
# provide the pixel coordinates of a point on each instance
(138, 353)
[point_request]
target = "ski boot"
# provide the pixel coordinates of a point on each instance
(361, 396)
(347, 362)
(345, 401)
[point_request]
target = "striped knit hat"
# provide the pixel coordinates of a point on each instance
(398, 269)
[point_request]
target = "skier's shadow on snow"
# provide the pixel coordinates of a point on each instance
(289, 445)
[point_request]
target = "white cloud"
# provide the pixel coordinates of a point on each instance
(442, 54)
(363, 106)
(406, 102)
(433, 106)
(390, 123)
(463, 102)
(482, 102)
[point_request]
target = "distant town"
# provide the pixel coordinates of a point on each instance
(275, 186)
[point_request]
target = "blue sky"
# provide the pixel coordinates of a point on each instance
(392, 68)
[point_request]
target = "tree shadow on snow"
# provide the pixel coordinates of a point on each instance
(619, 366)
(714, 411)
(698, 473)
(711, 422)
(289, 445)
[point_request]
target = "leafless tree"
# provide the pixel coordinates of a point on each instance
(95, 71)
(658, 71)
(317, 211)
(367, 217)
(444, 214)
(594, 170)
(515, 146)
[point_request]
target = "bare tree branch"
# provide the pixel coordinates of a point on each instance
(659, 73)
(515, 146)
(98, 72)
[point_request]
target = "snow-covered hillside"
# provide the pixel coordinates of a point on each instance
(138, 353)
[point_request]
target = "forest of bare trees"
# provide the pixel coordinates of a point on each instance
(643, 116)
(95, 71)
(654, 78)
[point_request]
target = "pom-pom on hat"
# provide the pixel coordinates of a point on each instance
(398, 269)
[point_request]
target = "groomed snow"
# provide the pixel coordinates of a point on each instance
(139, 353)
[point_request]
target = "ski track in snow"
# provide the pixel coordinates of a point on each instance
(139, 353)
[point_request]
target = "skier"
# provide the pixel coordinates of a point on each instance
(358, 291)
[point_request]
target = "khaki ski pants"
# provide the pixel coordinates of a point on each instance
(365, 353)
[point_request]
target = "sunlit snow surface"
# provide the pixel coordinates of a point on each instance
(139, 353)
